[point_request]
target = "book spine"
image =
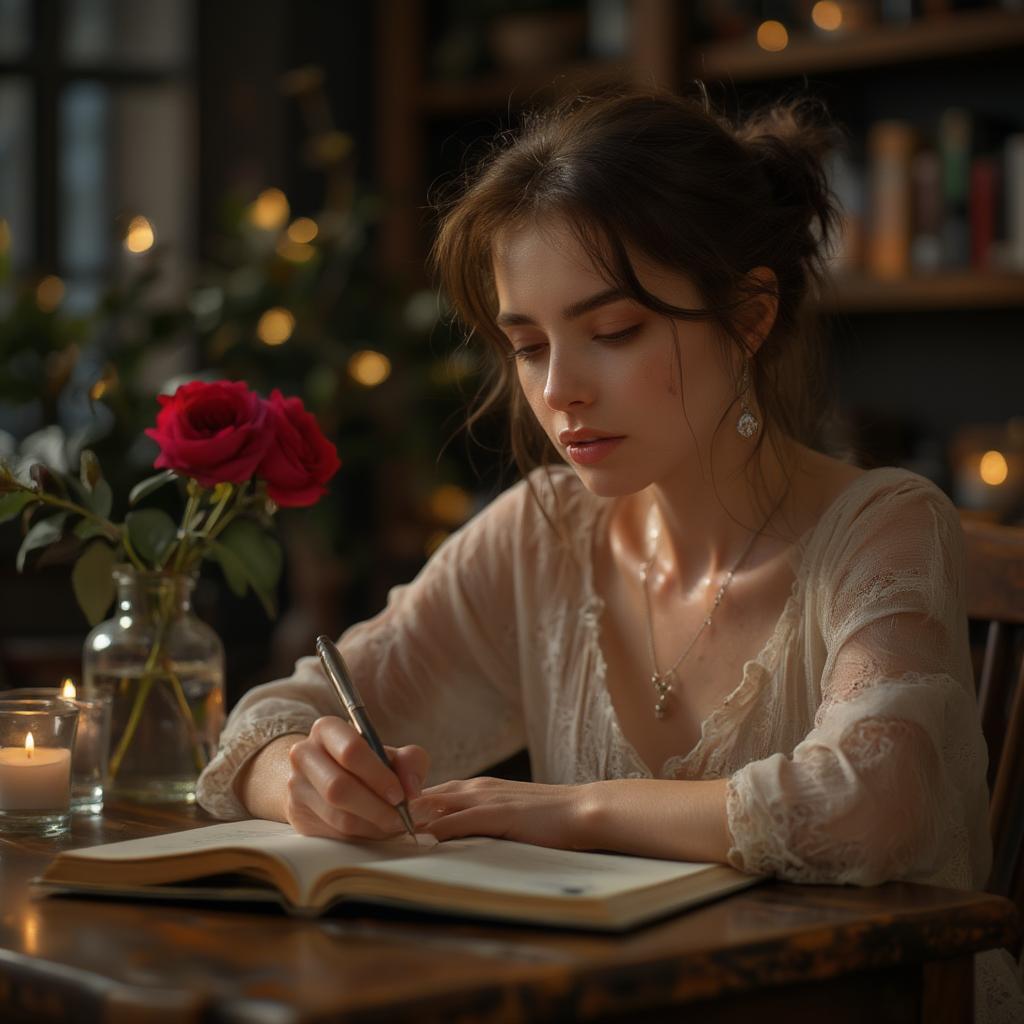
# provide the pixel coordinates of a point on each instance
(1013, 200)
(982, 206)
(926, 190)
(955, 129)
(890, 146)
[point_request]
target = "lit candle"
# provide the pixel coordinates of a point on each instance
(34, 778)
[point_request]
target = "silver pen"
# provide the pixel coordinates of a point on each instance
(337, 672)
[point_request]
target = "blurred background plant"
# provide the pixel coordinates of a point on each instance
(290, 302)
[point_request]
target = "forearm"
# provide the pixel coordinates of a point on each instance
(659, 818)
(262, 781)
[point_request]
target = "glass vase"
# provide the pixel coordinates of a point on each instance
(163, 669)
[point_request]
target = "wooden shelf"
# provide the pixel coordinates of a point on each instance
(500, 91)
(926, 38)
(924, 292)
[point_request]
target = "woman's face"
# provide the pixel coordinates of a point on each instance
(607, 369)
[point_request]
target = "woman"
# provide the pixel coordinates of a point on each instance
(717, 642)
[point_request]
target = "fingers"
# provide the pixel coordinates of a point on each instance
(411, 764)
(348, 749)
(309, 814)
(338, 793)
(340, 787)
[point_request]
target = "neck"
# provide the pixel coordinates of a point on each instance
(704, 525)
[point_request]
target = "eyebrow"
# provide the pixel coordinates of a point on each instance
(571, 312)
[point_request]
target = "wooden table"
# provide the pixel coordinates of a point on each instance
(898, 952)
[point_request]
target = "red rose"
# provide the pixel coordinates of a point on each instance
(215, 432)
(300, 460)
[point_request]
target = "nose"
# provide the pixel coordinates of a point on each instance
(568, 382)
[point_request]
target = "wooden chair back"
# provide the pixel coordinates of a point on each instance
(995, 606)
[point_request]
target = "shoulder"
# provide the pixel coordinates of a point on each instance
(889, 522)
(886, 498)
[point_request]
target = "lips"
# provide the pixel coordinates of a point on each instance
(582, 436)
(586, 453)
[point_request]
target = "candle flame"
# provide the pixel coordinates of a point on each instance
(30, 744)
(68, 689)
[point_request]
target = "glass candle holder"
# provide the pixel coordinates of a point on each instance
(36, 740)
(91, 751)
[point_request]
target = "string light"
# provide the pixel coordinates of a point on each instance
(450, 504)
(369, 368)
(827, 15)
(139, 237)
(105, 384)
(275, 327)
(269, 211)
(295, 252)
(993, 468)
(303, 230)
(49, 293)
(772, 36)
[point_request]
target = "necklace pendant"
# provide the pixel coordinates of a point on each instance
(662, 687)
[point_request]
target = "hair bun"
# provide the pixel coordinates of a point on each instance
(790, 140)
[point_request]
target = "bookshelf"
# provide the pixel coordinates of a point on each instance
(951, 290)
(959, 34)
(413, 109)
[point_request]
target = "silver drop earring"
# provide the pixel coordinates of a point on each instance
(747, 425)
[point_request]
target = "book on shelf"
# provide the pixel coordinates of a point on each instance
(267, 861)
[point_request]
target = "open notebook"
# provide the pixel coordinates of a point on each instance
(476, 877)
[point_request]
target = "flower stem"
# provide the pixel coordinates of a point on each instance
(190, 725)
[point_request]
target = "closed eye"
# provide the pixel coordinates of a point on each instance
(619, 336)
(528, 352)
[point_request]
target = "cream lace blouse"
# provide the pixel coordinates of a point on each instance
(851, 742)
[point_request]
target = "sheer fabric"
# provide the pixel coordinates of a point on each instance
(851, 742)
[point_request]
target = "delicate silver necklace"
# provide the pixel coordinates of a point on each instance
(662, 681)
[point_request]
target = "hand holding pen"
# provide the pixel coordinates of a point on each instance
(344, 783)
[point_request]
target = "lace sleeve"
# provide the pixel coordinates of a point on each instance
(890, 781)
(438, 666)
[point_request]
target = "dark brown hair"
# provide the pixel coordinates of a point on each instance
(691, 191)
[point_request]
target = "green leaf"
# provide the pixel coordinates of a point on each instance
(152, 532)
(93, 581)
(86, 528)
(247, 552)
(102, 499)
(146, 487)
(44, 532)
(232, 566)
(12, 504)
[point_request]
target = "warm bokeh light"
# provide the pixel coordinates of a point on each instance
(269, 211)
(30, 930)
(68, 689)
(49, 293)
(275, 326)
(369, 368)
(451, 504)
(772, 36)
(5, 236)
(295, 252)
(105, 384)
(827, 15)
(139, 237)
(30, 744)
(302, 230)
(993, 468)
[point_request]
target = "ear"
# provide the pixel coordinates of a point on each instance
(762, 307)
